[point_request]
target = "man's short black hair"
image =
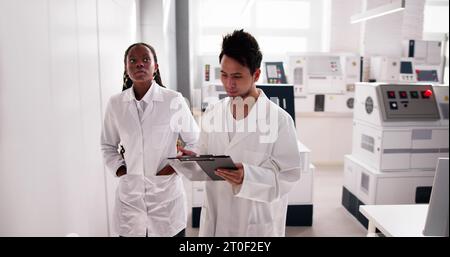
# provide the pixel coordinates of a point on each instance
(242, 47)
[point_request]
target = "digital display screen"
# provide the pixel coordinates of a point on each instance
(275, 73)
(406, 68)
(427, 75)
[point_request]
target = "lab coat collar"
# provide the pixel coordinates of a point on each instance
(261, 102)
(254, 115)
(153, 94)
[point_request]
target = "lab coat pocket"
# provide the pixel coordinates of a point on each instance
(130, 189)
(130, 206)
(159, 135)
(163, 188)
(255, 158)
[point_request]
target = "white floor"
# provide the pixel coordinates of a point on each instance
(330, 218)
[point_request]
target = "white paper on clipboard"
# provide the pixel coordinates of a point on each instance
(190, 170)
(202, 167)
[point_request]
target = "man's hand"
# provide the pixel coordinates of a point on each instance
(184, 152)
(168, 170)
(234, 177)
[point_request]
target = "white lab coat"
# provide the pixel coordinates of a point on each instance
(144, 201)
(258, 207)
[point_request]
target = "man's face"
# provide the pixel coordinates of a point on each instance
(236, 78)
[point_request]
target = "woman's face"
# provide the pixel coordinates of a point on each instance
(140, 64)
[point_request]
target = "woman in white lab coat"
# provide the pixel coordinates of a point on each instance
(142, 120)
(260, 138)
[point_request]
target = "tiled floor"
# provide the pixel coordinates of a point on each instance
(330, 218)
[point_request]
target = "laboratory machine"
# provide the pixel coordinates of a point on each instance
(399, 132)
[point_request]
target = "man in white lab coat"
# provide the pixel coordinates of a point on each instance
(260, 138)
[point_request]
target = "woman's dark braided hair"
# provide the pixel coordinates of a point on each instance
(127, 82)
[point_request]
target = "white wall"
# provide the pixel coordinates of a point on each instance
(384, 35)
(328, 136)
(59, 62)
(413, 19)
(344, 36)
(157, 25)
(379, 36)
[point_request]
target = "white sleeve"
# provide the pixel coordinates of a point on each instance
(202, 145)
(206, 124)
(276, 176)
(189, 131)
(110, 140)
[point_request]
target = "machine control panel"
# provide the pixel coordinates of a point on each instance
(408, 102)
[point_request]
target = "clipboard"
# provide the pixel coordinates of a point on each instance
(196, 167)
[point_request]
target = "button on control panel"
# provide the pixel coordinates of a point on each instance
(393, 105)
(414, 94)
(403, 95)
(391, 94)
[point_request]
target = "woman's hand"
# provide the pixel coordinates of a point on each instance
(122, 170)
(234, 177)
(184, 152)
(168, 170)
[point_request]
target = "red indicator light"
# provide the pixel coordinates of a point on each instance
(427, 93)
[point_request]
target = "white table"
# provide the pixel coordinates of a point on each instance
(396, 220)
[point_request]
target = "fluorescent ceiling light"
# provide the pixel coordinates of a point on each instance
(393, 7)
